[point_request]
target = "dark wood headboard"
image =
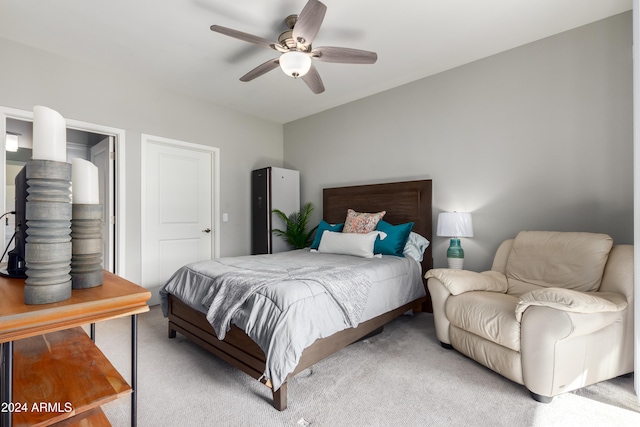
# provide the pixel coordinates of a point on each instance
(404, 202)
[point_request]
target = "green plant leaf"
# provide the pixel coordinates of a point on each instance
(296, 233)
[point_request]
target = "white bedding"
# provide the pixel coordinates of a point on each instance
(286, 317)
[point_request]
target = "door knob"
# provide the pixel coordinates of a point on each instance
(207, 230)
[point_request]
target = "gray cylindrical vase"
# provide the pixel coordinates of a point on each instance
(48, 242)
(86, 239)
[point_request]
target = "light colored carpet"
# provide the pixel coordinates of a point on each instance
(401, 377)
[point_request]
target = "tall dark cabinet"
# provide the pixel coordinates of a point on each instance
(272, 188)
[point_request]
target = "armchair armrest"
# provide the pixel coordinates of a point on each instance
(461, 281)
(571, 301)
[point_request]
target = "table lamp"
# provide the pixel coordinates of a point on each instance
(455, 225)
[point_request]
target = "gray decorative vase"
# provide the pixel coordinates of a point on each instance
(86, 239)
(48, 242)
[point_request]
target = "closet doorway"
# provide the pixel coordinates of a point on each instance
(90, 142)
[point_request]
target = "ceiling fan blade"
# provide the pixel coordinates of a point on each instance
(260, 70)
(344, 55)
(309, 21)
(243, 36)
(313, 80)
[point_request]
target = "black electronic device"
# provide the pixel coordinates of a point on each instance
(16, 266)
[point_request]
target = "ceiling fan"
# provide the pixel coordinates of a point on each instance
(296, 52)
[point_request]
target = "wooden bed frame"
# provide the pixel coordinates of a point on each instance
(403, 201)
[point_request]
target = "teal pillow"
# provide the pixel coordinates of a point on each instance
(322, 227)
(397, 236)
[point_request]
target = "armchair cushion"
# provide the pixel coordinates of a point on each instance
(460, 281)
(488, 315)
(569, 260)
(571, 301)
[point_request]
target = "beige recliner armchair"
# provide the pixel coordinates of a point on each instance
(555, 313)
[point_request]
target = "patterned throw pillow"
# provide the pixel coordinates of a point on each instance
(359, 222)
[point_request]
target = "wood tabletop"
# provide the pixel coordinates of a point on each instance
(117, 297)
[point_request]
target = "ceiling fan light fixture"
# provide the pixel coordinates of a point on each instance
(295, 64)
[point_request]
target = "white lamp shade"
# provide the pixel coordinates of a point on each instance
(295, 64)
(11, 142)
(454, 224)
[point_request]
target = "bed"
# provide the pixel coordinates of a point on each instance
(408, 201)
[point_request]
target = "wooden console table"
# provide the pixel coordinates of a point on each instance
(51, 369)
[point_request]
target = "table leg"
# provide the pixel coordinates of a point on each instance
(134, 370)
(7, 382)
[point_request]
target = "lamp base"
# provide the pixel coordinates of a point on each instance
(456, 263)
(455, 254)
(86, 248)
(48, 243)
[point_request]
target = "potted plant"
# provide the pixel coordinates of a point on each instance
(296, 233)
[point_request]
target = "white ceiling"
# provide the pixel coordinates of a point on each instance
(169, 42)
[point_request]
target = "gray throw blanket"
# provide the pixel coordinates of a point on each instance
(230, 290)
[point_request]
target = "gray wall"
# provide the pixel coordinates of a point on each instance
(31, 77)
(539, 137)
(535, 138)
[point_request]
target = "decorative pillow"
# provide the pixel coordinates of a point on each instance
(322, 227)
(356, 244)
(415, 247)
(360, 222)
(394, 243)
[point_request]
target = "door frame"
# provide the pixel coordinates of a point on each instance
(107, 146)
(215, 189)
(120, 178)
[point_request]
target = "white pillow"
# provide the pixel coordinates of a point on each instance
(415, 246)
(355, 244)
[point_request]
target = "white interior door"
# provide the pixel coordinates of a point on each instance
(101, 156)
(178, 211)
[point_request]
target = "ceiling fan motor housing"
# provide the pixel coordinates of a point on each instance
(286, 40)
